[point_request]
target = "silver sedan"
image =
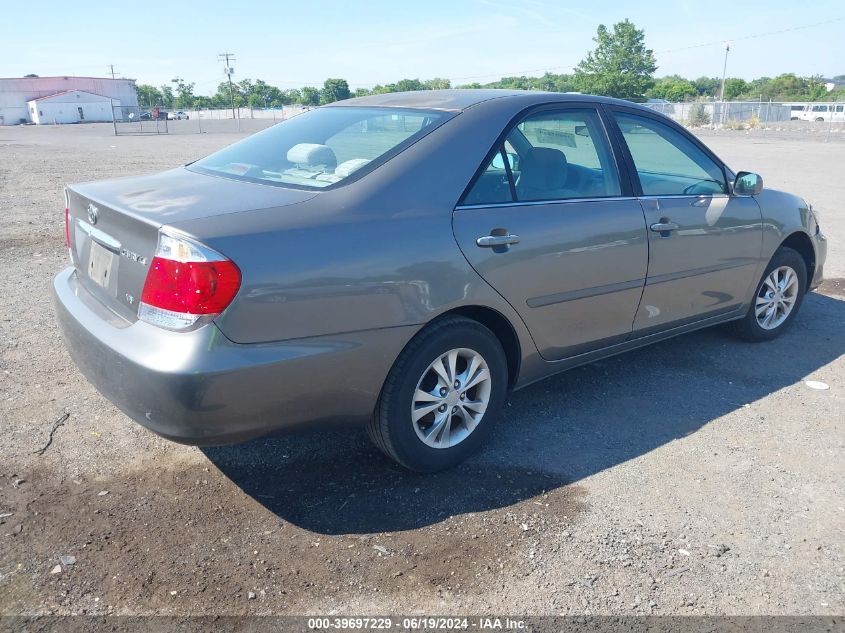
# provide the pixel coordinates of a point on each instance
(404, 261)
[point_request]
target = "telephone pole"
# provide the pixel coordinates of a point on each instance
(229, 72)
(111, 66)
(722, 91)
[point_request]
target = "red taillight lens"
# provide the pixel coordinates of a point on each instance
(186, 281)
(191, 287)
(67, 228)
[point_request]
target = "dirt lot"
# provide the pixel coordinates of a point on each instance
(699, 476)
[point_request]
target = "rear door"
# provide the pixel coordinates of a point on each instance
(551, 224)
(704, 243)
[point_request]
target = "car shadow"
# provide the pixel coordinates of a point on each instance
(552, 434)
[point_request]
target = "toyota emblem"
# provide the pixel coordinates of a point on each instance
(93, 214)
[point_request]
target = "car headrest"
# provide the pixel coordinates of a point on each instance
(311, 155)
(349, 166)
(545, 168)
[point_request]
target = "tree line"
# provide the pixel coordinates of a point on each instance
(620, 66)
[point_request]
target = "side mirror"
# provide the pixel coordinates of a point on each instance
(748, 184)
(498, 163)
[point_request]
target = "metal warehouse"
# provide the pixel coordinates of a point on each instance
(19, 99)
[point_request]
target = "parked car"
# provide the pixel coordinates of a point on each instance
(177, 116)
(145, 115)
(405, 260)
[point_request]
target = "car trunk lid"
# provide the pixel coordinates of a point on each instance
(114, 224)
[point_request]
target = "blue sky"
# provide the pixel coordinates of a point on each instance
(291, 44)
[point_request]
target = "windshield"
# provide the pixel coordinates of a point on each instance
(322, 147)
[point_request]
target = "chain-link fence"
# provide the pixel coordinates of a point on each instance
(162, 120)
(137, 120)
(753, 114)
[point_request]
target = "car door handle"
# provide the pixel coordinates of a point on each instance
(488, 241)
(664, 227)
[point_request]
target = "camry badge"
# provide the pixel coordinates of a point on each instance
(93, 213)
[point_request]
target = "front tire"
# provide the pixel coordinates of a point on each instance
(442, 397)
(777, 298)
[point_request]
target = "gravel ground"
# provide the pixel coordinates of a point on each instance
(698, 476)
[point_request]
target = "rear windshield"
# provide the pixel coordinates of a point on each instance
(322, 147)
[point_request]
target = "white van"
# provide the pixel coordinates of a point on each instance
(795, 110)
(834, 112)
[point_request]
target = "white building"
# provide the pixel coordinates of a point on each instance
(72, 106)
(16, 93)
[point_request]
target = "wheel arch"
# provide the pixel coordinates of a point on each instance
(799, 241)
(501, 327)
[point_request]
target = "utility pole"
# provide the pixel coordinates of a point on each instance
(112, 70)
(724, 72)
(229, 72)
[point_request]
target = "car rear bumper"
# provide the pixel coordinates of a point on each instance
(200, 388)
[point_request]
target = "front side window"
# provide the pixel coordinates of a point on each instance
(667, 162)
(550, 155)
(321, 147)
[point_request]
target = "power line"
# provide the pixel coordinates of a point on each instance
(751, 37)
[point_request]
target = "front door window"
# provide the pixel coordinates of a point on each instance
(668, 163)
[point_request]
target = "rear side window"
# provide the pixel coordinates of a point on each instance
(549, 156)
(667, 162)
(322, 147)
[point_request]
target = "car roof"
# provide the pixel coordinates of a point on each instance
(460, 99)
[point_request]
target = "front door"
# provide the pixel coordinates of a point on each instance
(552, 226)
(704, 243)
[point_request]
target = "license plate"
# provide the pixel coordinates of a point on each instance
(100, 263)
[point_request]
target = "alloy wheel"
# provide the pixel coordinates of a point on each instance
(450, 398)
(776, 298)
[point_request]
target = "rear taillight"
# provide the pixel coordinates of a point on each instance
(186, 282)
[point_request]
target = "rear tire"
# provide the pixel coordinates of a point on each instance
(452, 419)
(777, 297)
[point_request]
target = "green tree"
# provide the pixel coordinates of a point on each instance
(148, 96)
(334, 90)
(362, 92)
(786, 87)
(672, 88)
(620, 66)
(184, 93)
(407, 85)
(310, 96)
(734, 88)
(437, 84)
(167, 96)
(707, 86)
